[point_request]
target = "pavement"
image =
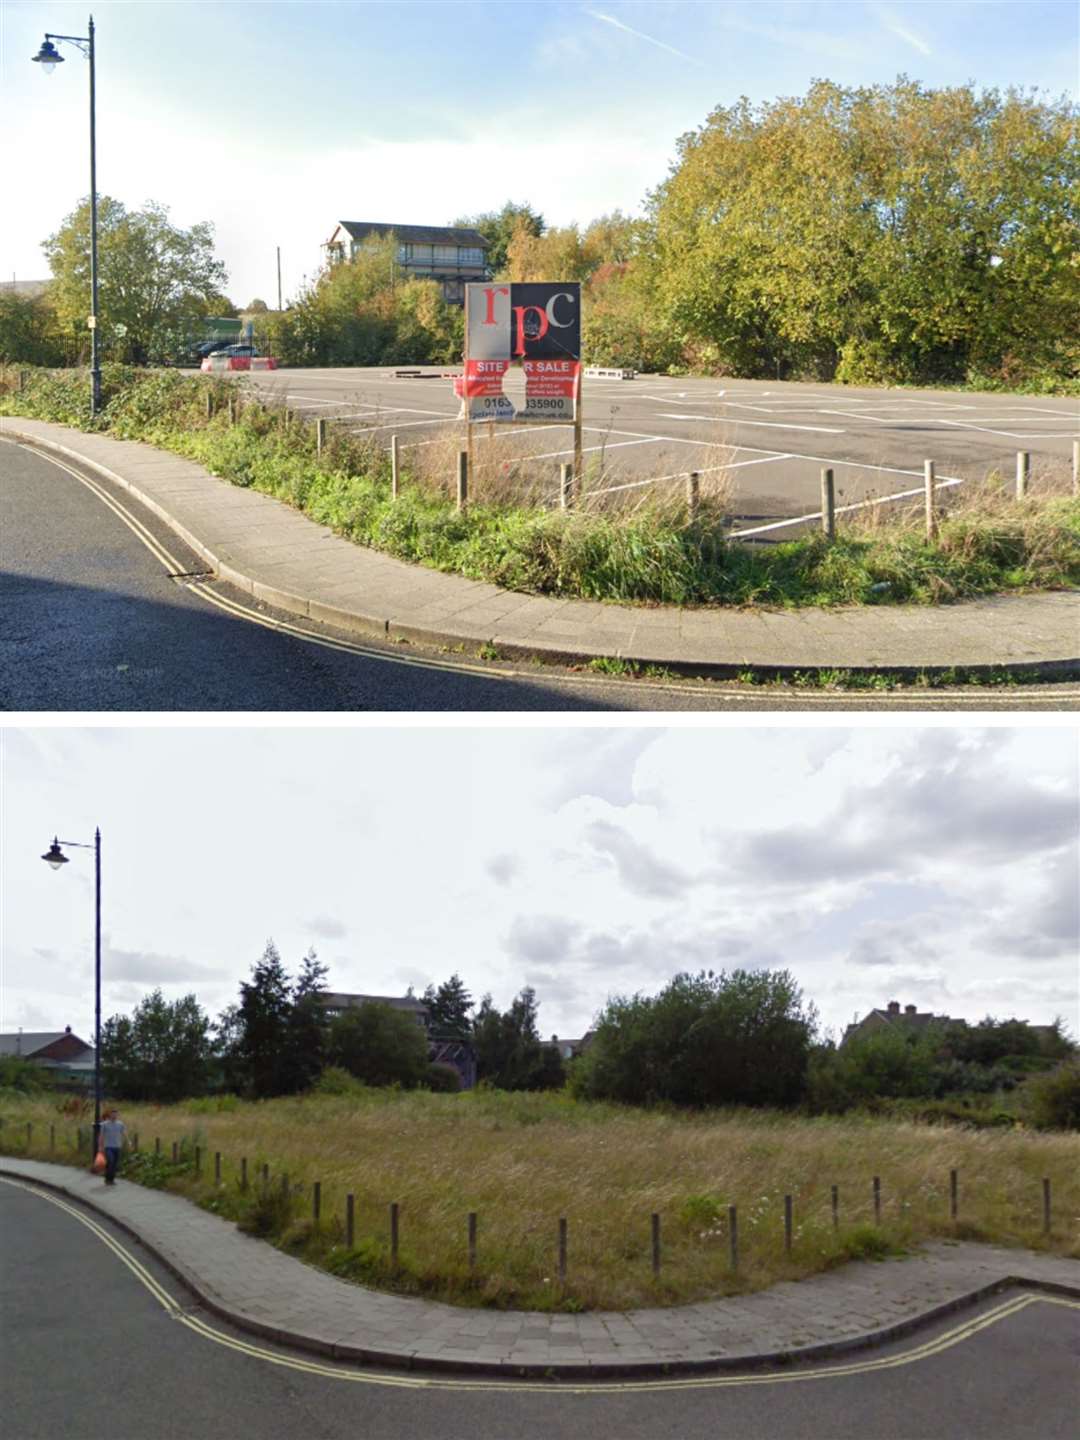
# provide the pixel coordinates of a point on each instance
(278, 556)
(273, 1295)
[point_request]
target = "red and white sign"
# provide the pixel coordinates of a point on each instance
(538, 324)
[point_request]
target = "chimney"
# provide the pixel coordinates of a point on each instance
(67, 1029)
(894, 1007)
(910, 1010)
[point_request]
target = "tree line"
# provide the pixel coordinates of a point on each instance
(871, 235)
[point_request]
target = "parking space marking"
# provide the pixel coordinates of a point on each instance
(765, 424)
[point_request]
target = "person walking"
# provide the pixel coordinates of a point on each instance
(112, 1142)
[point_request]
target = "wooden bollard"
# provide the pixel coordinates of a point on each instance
(1023, 473)
(394, 1234)
(320, 434)
(209, 404)
(693, 496)
(395, 467)
(836, 1207)
(1076, 467)
(316, 1201)
(1046, 1206)
(265, 1176)
(472, 1239)
(877, 1200)
(566, 487)
(562, 1250)
(217, 1167)
(656, 1245)
(733, 1236)
(787, 1224)
(231, 408)
(52, 1137)
(931, 499)
(828, 505)
(175, 1152)
(157, 1144)
(29, 1133)
(243, 1172)
(198, 1160)
(350, 1221)
(135, 1139)
(462, 481)
(953, 1194)
(284, 1187)
(78, 1141)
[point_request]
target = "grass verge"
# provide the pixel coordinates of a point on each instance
(987, 542)
(520, 1162)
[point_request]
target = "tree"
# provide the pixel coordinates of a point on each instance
(29, 331)
(262, 1027)
(706, 1039)
(509, 1053)
(161, 1053)
(153, 277)
(258, 307)
(498, 228)
(856, 231)
(379, 1045)
(448, 1009)
(306, 1028)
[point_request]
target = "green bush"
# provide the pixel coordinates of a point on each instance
(1053, 1100)
(443, 1078)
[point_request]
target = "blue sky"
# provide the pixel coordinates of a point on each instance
(274, 121)
(932, 864)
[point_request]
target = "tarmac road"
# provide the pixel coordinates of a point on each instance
(111, 1350)
(91, 621)
(769, 438)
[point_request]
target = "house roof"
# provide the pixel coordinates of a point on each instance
(416, 234)
(26, 1043)
(339, 1000)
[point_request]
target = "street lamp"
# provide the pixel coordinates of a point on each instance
(55, 857)
(48, 57)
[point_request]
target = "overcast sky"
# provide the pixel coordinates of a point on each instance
(274, 121)
(932, 865)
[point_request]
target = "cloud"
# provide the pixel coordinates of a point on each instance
(149, 969)
(327, 928)
(541, 939)
(640, 34)
(503, 868)
(900, 30)
(889, 944)
(642, 872)
(602, 763)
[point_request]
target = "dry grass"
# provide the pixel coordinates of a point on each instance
(522, 1161)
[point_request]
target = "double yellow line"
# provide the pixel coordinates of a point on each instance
(936, 1346)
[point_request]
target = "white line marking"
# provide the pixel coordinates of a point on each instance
(945, 484)
(681, 475)
(764, 424)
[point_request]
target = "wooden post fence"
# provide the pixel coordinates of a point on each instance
(209, 404)
(931, 499)
(175, 1152)
(656, 1246)
(462, 481)
(198, 1159)
(836, 1207)
(1046, 1206)
(29, 1133)
(953, 1194)
(877, 1200)
(566, 487)
(472, 1239)
(562, 1250)
(733, 1236)
(1076, 467)
(350, 1221)
(828, 505)
(394, 1234)
(320, 434)
(217, 1167)
(693, 496)
(157, 1145)
(395, 467)
(316, 1201)
(265, 1176)
(52, 1137)
(243, 1173)
(1023, 473)
(787, 1224)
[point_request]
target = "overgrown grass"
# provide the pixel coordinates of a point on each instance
(648, 553)
(523, 1161)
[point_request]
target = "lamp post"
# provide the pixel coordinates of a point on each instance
(55, 857)
(48, 57)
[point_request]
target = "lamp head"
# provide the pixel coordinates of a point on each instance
(55, 856)
(48, 57)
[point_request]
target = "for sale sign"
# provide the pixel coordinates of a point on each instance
(538, 324)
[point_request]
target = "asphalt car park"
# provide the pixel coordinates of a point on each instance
(764, 442)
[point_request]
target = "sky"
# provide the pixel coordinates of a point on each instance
(274, 121)
(934, 865)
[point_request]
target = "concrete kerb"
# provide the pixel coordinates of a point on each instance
(376, 626)
(597, 1369)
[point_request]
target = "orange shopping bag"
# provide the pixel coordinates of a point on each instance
(98, 1166)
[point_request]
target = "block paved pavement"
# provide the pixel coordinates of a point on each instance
(262, 1290)
(278, 556)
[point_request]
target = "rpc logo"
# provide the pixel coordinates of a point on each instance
(524, 321)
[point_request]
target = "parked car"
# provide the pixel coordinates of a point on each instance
(233, 350)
